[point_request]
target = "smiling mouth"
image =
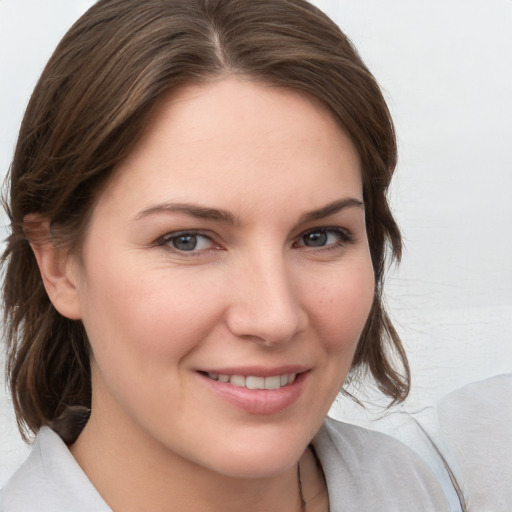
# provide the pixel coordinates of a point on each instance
(254, 382)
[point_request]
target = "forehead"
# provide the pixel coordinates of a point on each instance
(238, 138)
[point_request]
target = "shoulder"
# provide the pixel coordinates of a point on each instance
(360, 445)
(367, 470)
(27, 483)
(50, 480)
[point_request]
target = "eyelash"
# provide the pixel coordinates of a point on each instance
(166, 241)
(344, 238)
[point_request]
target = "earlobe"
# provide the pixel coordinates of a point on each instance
(58, 271)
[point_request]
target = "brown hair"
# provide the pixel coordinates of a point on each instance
(86, 112)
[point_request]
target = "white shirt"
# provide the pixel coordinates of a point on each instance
(364, 471)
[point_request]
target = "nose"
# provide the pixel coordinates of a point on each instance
(265, 302)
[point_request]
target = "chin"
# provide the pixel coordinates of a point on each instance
(261, 456)
(261, 466)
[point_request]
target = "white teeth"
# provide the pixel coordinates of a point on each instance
(238, 380)
(253, 382)
(273, 382)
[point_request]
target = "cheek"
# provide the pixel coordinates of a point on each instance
(341, 305)
(144, 320)
(141, 332)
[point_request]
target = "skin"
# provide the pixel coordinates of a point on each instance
(252, 293)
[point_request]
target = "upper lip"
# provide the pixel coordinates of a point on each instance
(257, 371)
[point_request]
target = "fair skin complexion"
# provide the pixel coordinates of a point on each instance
(230, 241)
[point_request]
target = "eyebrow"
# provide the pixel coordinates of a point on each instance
(331, 209)
(193, 210)
(226, 217)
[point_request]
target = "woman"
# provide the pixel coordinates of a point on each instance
(199, 231)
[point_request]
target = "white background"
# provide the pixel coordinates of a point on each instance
(446, 69)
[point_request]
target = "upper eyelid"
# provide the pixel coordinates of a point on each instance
(164, 239)
(181, 232)
(324, 228)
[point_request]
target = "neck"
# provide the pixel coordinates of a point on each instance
(119, 458)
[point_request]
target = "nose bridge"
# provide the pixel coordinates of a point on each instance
(265, 305)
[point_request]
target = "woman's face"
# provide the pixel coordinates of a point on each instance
(229, 252)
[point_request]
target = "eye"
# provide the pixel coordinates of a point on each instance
(324, 237)
(189, 241)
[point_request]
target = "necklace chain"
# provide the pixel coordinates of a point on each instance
(301, 492)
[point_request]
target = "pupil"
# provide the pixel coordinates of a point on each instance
(185, 242)
(316, 239)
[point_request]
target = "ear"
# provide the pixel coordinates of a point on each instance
(58, 270)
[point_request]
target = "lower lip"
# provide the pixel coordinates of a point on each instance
(258, 401)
